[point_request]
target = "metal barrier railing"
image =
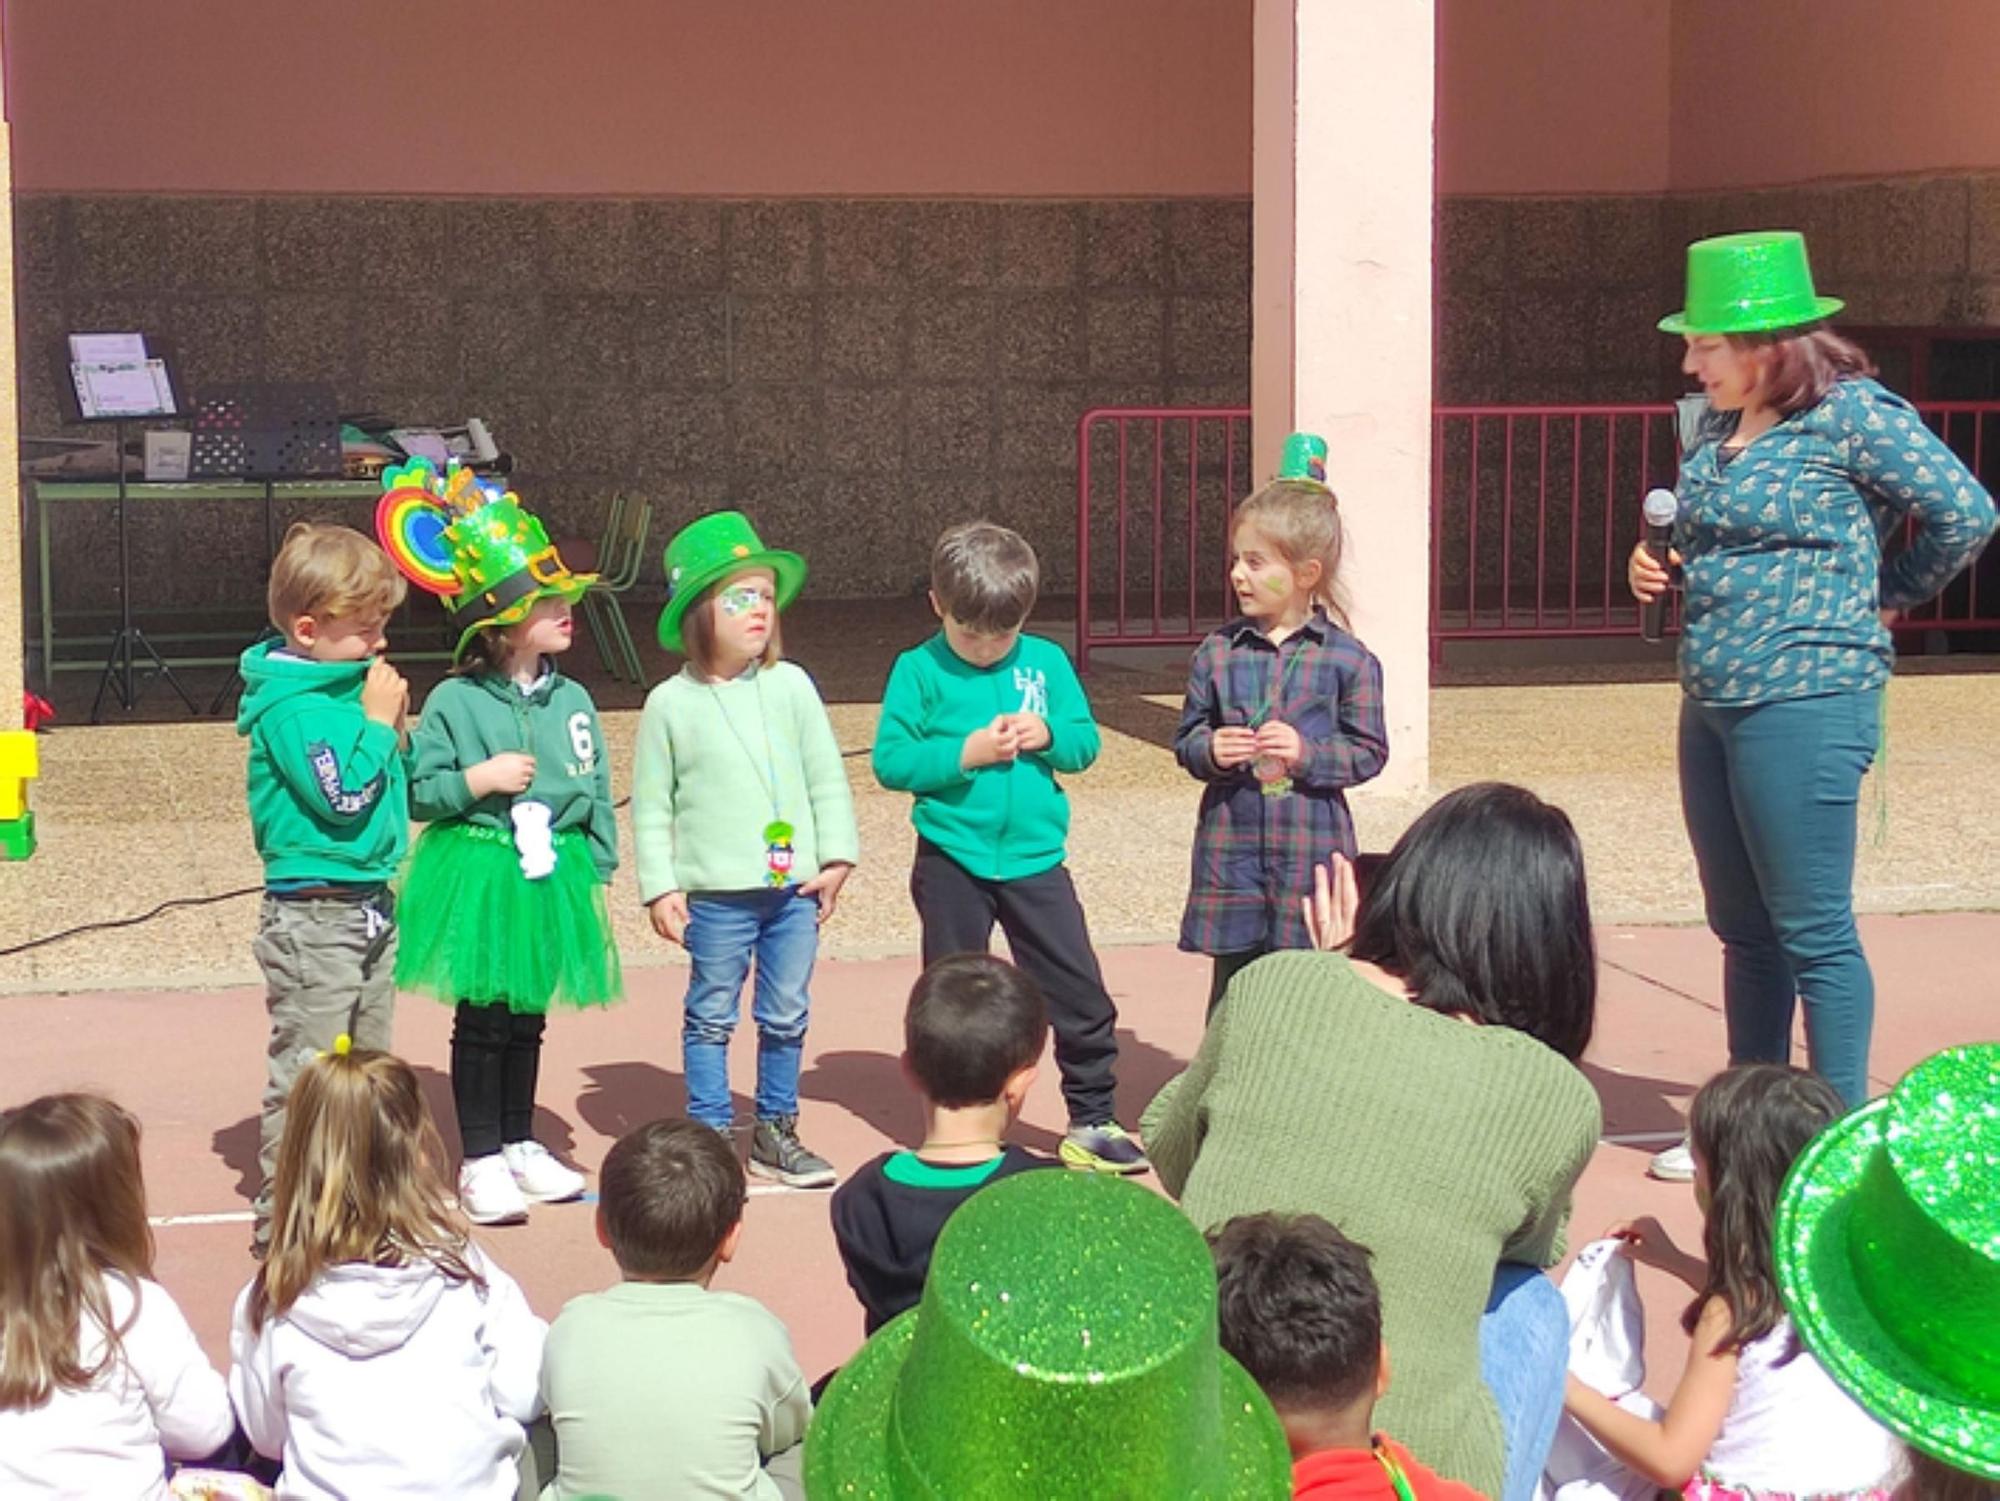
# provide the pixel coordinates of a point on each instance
(1533, 511)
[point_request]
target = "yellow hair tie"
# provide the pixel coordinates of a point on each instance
(342, 1045)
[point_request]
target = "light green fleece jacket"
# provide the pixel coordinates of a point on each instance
(719, 762)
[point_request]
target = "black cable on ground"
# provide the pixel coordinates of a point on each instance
(111, 923)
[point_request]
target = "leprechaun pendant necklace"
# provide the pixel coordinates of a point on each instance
(1269, 770)
(777, 833)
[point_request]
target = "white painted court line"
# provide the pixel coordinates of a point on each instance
(244, 1216)
(1640, 1138)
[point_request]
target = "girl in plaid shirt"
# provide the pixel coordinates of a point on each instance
(1283, 712)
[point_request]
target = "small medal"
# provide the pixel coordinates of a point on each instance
(777, 853)
(1270, 773)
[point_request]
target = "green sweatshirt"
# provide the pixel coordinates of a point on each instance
(467, 719)
(717, 763)
(328, 797)
(1004, 822)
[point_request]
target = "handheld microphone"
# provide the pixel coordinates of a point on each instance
(1662, 506)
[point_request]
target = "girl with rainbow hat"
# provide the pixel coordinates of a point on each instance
(503, 905)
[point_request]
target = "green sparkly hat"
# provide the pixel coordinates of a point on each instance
(1888, 1251)
(708, 550)
(1749, 284)
(1304, 459)
(475, 546)
(1065, 1348)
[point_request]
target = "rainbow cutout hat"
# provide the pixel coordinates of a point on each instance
(472, 544)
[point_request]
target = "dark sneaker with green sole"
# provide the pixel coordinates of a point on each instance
(1104, 1149)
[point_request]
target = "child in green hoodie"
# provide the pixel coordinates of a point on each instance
(504, 909)
(328, 809)
(976, 722)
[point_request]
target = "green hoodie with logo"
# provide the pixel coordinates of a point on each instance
(1004, 822)
(467, 719)
(329, 800)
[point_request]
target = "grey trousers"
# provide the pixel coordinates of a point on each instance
(329, 967)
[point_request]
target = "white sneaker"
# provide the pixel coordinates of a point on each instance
(487, 1194)
(1675, 1165)
(541, 1179)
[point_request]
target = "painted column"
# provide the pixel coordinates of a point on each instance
(1341, 345)
(18, 763)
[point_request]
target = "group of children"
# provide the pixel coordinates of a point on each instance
(379, 1351)
(742, 817)
(1033, 1333)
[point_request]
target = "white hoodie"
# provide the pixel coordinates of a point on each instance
(386, 1382)
(104, 1442)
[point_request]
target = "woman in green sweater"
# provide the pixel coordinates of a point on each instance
(1420, 1091)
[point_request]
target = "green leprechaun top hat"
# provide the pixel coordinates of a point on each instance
(1304, 459)
(476, 547)
(1065, 1348)
(709, 550)
(1750, 283)
(1888, 1252)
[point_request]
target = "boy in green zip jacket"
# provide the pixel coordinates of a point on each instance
(976, 722)
(329, 809)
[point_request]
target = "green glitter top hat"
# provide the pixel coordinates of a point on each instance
(1065, 1348)
(1749, 284)
(709, 550)
(475, 546)
(1888, 1251)
(1304, 459)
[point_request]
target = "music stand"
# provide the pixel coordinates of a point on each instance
(88, 406)
(263, 432)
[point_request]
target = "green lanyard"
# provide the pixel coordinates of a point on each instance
(778, 834)
(1397, 1479)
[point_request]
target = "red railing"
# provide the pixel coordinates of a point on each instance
(1533, 510)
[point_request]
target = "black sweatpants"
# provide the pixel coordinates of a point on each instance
(496, 1057)
(1044, 925)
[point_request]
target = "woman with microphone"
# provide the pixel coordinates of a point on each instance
(1797, 474)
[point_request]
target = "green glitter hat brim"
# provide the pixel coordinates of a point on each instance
(1834, 1320)
(788, 571)
(571, 586)
(847, 1445)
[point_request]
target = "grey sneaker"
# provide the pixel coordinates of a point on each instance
(1103, 1149)
(1675, 1165)
(776, 1152)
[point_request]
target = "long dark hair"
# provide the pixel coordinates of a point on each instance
(1481, 909)
(1747, 1126)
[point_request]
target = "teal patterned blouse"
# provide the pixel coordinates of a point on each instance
(1782, 545)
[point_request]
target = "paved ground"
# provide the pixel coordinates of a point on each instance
(189, 1062)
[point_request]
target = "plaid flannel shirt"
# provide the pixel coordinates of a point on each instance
(1254, 855)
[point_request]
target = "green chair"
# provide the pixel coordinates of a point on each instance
(621, 559)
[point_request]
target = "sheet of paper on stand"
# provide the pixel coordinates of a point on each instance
(107, 349)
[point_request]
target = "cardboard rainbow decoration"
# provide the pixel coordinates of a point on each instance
(410, 522)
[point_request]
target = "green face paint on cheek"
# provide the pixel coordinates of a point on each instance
(1277, 586)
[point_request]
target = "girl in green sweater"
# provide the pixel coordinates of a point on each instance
(503, 905)
(744, 826)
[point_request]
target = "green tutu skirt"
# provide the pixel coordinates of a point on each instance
(471, 927)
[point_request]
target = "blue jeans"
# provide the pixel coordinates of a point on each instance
(1524, 1360)
(780, 930)
(1769, 793)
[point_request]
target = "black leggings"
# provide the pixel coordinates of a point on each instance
(496, 1055)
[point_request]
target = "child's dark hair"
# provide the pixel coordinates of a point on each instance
(985, 576)
(671, 1193)
(1747, 1126)
(1299, 1309)
(483, 653)
(973, 1021)
(1482, 910)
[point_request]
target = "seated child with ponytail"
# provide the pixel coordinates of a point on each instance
(378, 1352)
